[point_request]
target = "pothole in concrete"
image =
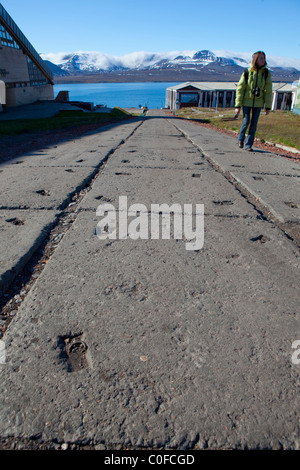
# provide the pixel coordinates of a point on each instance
(102, 198)
(198, 163)
(258, 178)
(233, 256)
(15, 221)
(196, 175)
(43, 192)
(122, 174)
(125, 161)
(293, 205)
(223, 203)
(75, 351)
(261, 238)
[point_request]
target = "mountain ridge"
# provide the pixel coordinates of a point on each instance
(173, 66)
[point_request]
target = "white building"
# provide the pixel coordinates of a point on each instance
(284, 95)
(222, 95)
(201, 94)
(296, 108)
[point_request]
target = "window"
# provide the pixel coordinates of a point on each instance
(35, 74)
(6, 39)
(189, 98)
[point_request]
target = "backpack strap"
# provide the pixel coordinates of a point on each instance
(246, 74)
(266, 71)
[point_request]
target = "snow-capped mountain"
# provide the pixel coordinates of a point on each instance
(190, 65)
(97, 61)
(198, 60)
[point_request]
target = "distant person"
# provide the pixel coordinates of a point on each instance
(254, 91)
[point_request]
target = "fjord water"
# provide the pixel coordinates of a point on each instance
(123, 95)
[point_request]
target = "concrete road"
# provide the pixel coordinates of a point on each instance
(143, 342)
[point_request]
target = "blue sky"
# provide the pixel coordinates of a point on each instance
(119, 27)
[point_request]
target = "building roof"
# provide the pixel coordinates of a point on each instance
(285, 87)
(229, 86)
(9, 24)
(206, 86)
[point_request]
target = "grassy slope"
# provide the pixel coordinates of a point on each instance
(61, 120)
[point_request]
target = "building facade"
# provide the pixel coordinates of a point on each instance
(26, 77)
(201, 94)
(222, 95)
(296, 108)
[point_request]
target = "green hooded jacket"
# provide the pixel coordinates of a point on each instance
(256, 79)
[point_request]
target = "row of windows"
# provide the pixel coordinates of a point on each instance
(6, 39)
(26, 84)
(36, 76)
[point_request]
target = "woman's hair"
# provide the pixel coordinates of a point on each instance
(255, 57)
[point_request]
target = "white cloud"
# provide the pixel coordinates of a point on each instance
(273, 61)
(142, 58)
(55, 58)
(105, 61)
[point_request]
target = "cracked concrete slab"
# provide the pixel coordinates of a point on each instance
(280, 194)
(21, 232)
(164, 158)
(64, 157)
(37, 185)
(143, 139)
(87, 150)
(37, 188)
(274, 181)
(256, 162)
(224, 150)
(160, 186)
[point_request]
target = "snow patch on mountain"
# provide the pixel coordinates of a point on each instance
(244, 59)
(93, 61)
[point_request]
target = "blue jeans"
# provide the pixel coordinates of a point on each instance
(253, 125)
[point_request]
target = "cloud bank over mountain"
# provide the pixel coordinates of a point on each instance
(95, 60)
(100, 61)
(273, 61)
(173, 66)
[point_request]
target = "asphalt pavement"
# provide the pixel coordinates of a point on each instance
(129, 340)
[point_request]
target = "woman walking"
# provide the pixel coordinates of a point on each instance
(254, 91)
